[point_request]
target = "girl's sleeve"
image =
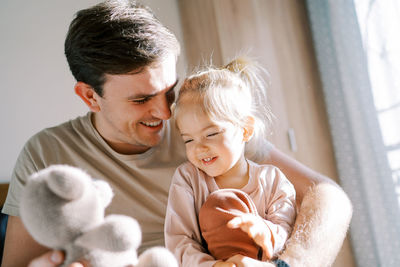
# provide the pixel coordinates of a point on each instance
(280, 212)
(182, 233)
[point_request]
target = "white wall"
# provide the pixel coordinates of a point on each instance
(35, 82)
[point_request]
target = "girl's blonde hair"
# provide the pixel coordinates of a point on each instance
(233, 93)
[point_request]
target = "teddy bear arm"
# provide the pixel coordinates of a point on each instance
(117, 233)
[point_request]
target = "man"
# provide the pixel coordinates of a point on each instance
(124, 62)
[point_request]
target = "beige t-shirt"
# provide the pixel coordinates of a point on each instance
(140, 182)
(271, 192)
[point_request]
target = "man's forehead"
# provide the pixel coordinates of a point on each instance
(150, 80)
(160, 74)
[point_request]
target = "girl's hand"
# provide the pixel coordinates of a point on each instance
(256, 228)
(224, 264)
(243, 261)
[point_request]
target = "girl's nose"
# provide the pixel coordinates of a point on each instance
(201, 148)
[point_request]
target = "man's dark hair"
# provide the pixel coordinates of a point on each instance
(115, 37)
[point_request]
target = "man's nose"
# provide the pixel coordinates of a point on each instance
(161, 108)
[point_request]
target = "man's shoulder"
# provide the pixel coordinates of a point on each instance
(51, 138)
(67, 143)
(64, 129)
(77, 124)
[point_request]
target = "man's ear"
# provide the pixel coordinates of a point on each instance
(88, 95)
(248, 130)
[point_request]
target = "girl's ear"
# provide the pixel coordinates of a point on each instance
(248, 129)
(88, 95)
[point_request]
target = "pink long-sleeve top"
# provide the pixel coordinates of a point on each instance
(272, 193)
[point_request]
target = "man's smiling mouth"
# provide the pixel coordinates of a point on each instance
(152, 124)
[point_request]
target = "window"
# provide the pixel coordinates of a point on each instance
(357, 46)
(379, 24)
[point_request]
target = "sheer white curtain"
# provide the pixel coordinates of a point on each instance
(358, 71)
(380, 29)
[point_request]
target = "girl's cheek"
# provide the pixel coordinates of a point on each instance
(189, 154)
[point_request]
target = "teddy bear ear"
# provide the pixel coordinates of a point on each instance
(67, 182)
(118, 233)
(105, 192)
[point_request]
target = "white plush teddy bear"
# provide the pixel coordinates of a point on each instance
(62, 207)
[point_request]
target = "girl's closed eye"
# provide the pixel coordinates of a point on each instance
(215, 132)
(212, 134)
(187, 141)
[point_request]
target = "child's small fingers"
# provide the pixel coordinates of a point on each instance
(224, 264)
(252, 231)
(235, 222)
(246, 227)
(265, 244)
(268, 250)
(242, 219)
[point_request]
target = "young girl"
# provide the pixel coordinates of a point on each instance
(220, 202)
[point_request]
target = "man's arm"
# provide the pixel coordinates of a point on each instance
(19, 247)
(321, 224)
(319, 229)
(302, 177)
